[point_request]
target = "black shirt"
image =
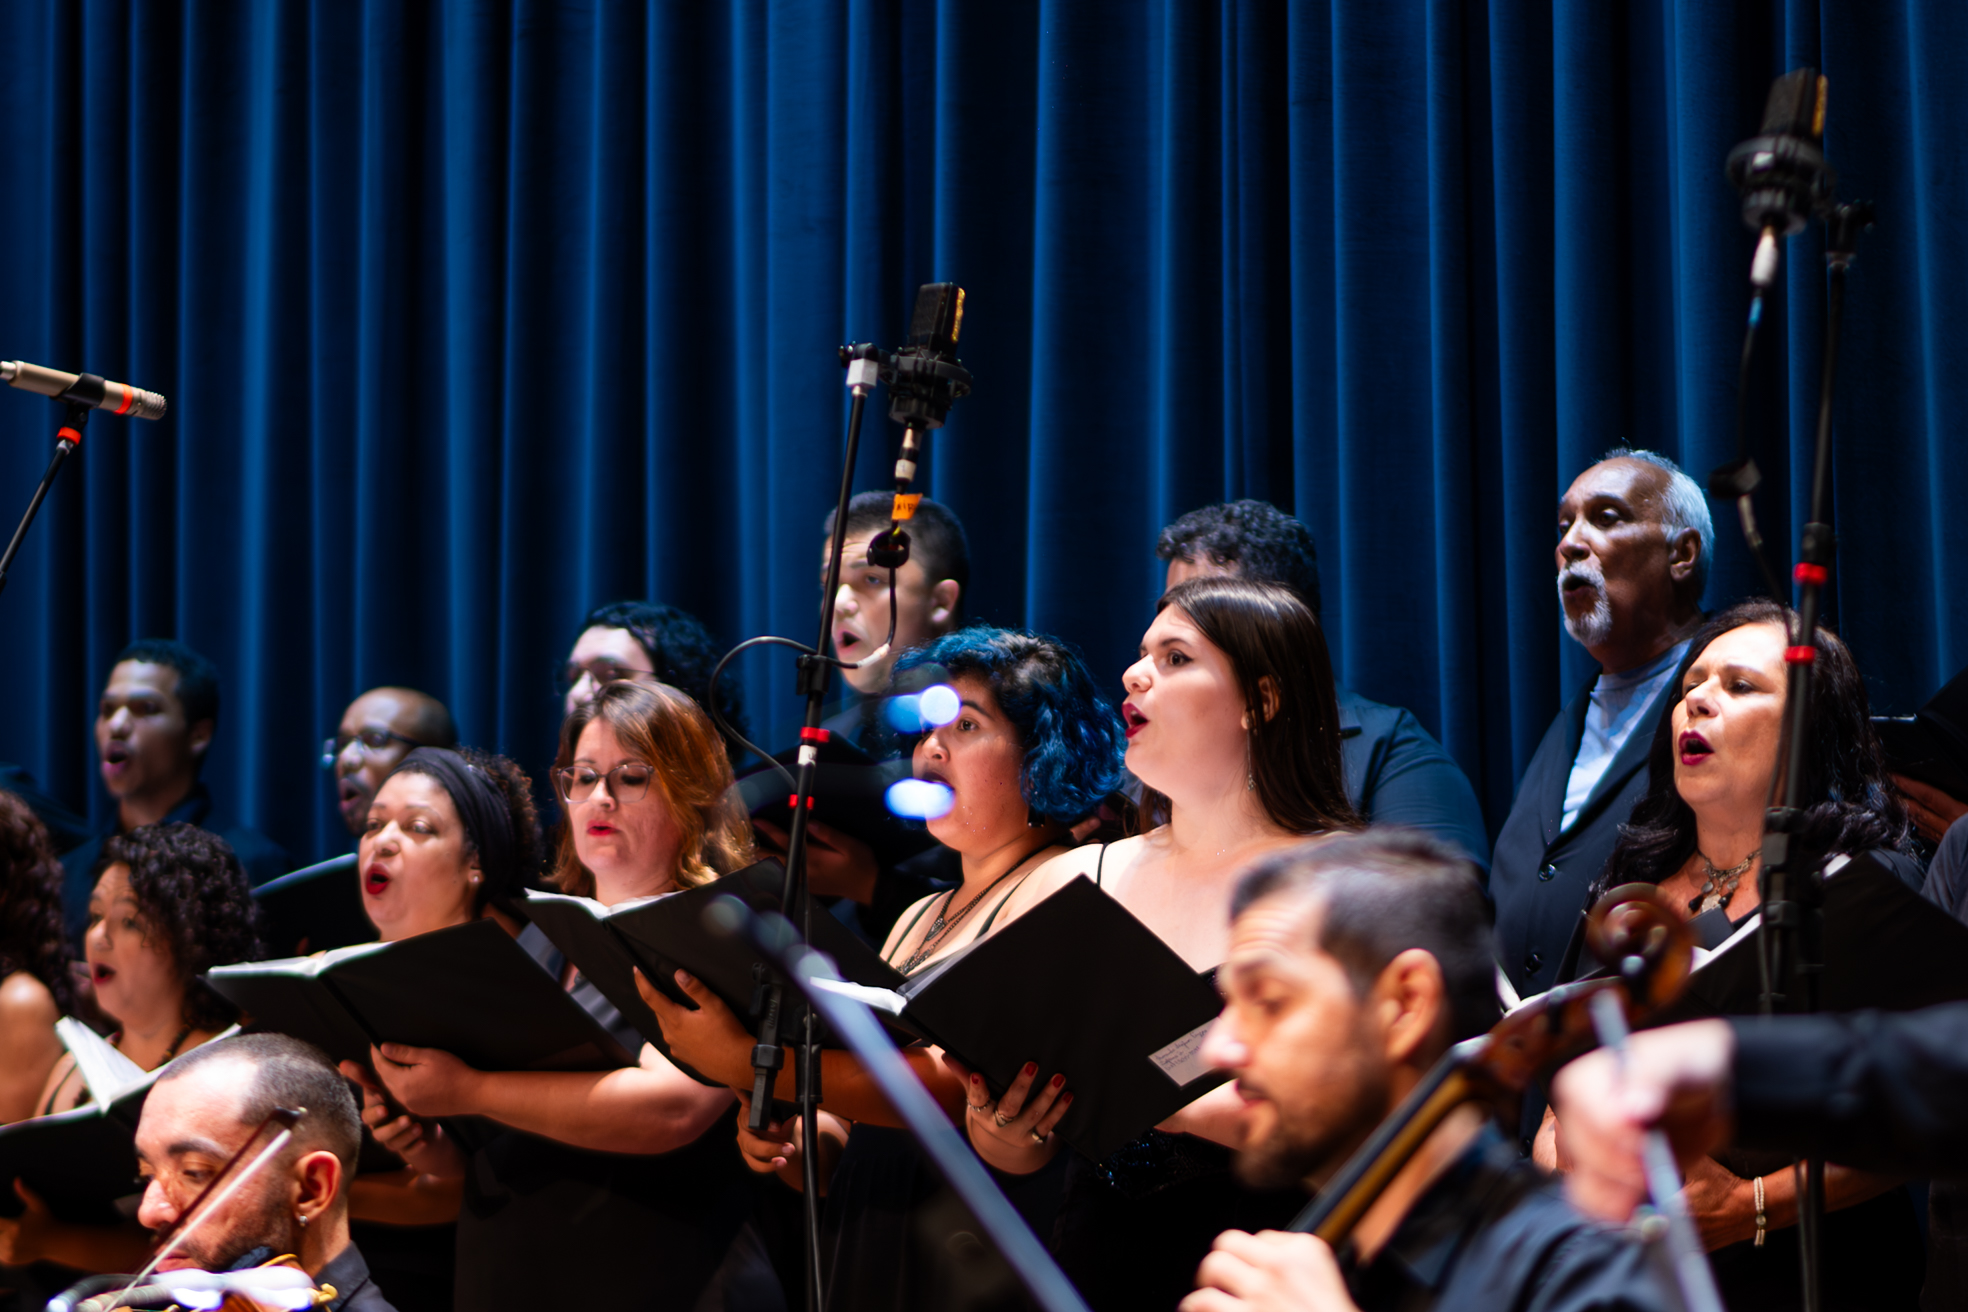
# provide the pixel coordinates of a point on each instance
(262, 858)
(354, 1290)
(1496, 1232)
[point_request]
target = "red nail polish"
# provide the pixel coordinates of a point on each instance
(1058, 1080)
(1065, 1100)
(1031, 1068)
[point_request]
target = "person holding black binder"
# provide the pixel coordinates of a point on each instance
(169, 902)
(600, 1187)
(1233, 729)
(1033, 749)
(1697, 835)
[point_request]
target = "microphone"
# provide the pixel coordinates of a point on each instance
(83, 389)
(1782, 172)
(924, 380)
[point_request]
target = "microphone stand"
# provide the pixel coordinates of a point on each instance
(925, 379)
(1791, 939)
(75, 417)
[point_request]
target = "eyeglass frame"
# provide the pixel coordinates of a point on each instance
(564, 684)
(333, 747)
(563, 777)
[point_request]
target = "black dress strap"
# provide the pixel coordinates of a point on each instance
(916, 919)
(1098, 863)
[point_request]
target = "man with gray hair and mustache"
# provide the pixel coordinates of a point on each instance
(1634, 540)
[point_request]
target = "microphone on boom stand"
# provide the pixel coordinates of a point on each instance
(1785, 179)
(925, 379)
(79, 394)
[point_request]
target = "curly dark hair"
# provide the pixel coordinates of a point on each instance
(192, 891)
(1262, 541)
(1850, 804)
(682, 652)
(31, 934)
(506, 889)
(1070, 736)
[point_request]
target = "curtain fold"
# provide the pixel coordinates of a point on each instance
(473, 315)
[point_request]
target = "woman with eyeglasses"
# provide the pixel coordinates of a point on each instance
(589, 1188)
(648, 642)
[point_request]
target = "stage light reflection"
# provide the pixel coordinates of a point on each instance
(920, 799)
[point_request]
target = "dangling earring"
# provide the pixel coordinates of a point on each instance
(1250, 783)
(1033, 819)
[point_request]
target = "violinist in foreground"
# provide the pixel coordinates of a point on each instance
(1354, 965)
(203, 1111)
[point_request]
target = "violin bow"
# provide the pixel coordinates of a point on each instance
(1691, 1270)
(287, 1118)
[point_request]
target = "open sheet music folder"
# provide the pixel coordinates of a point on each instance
(1081, 987)
(83, 1163)
(469, 990)
(667, 933)
(1885, 948)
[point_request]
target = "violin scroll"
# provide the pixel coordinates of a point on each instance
(1643, 944)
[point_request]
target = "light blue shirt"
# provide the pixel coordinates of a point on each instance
(1617, 704)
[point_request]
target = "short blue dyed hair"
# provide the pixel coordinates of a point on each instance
(1071, 734)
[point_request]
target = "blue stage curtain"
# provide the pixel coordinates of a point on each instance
(473, 315)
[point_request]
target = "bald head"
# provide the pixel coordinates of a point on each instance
(378, 730)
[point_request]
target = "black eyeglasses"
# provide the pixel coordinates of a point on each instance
(373, 737)
(627, 781)
(601, 671)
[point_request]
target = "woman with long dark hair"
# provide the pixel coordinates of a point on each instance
(1232, 723)
(1697, 835)
(36, 987)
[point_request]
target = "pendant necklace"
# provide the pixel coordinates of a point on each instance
(1719, 889)
(945, 922)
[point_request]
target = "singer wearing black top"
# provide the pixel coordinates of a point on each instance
(1697, 834)
(1031, 752)
(615, 1188)
(1233, 730)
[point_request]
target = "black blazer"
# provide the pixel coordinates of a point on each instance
(1541, 879)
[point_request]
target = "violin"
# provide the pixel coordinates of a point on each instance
(276, 1285)
(1652, 951)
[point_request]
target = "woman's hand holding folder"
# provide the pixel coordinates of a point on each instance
(1014, 1133)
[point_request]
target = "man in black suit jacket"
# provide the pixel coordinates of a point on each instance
(1633, 550)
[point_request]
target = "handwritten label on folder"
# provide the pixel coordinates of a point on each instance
(1182, 1060)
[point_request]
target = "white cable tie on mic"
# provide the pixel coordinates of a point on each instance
(1763, 269)
(809, 754)
(905, 471)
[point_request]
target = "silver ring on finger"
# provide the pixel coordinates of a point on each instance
(1001, 1119)
(1039, 1138)
(979, 1107)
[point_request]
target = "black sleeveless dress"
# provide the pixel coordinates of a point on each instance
(545, 1224)
(896, 1239)
(1133, 1228)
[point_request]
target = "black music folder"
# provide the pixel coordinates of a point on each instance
(850, 790)
(1079, 986)
(1886, 948)
(468, 989)
(83, 1163)
(314, 908)
(664, 934)
(1931, 746)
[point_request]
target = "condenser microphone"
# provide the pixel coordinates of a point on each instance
(83, 389)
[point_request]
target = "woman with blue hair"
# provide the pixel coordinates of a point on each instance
(1028, 758)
